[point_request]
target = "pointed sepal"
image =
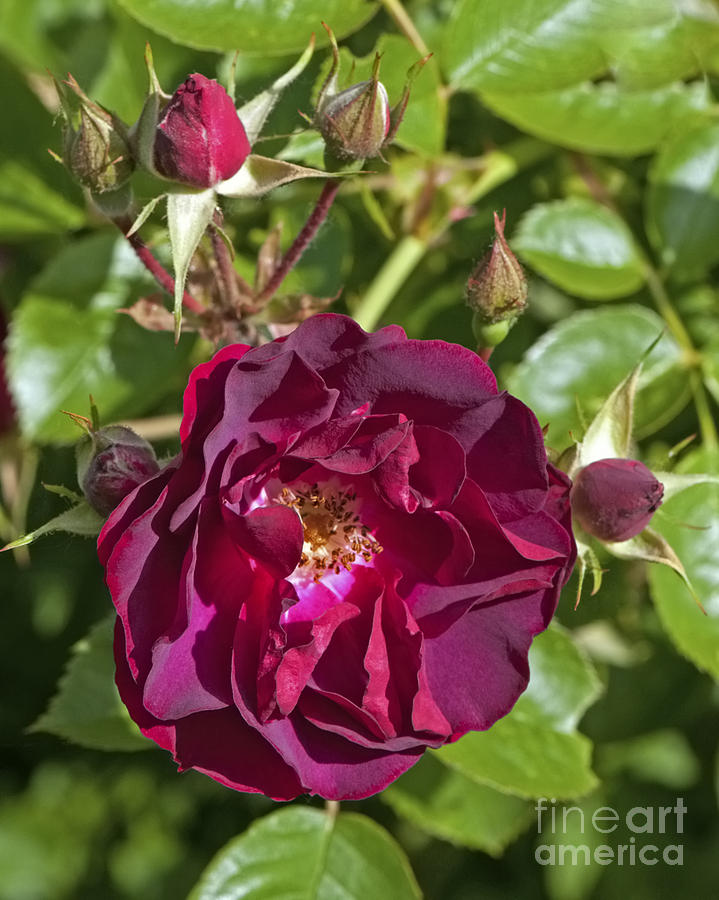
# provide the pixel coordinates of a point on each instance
(254, 113)
(261, 174)
(188, 216)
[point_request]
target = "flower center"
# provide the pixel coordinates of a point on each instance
(334, 537)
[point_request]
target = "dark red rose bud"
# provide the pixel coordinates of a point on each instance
(111, 462)
(615, 499)
(200, 140)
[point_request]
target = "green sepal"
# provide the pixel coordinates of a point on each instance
(254, 113)
(81, 520)
(261, 174)
(188, 215)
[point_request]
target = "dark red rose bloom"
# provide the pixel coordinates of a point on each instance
(345, 565)
(200, 140)
(615, 499)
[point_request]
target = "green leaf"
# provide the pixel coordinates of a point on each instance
(523, 45)
(30, 208)
(581, 246)
(683, 202)
(67, 341)
(81, 519)
(448, 805)
(87, 709)
(663, 756)
(604, 117)
(251, 26)
(299, 853)
(580, 361)
(694, 634)
(535, 751)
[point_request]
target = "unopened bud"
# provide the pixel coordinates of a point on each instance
(95, 151)
(497, 288)
(357, 123)
(615, 499)
(112, 462)
(199, 140)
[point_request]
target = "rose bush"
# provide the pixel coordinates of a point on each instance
(345, 565)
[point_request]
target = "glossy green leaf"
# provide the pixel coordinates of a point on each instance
(68, 341)
(87, 709)
(683, 202)
(695, 635)
(251, 26)
(581, 360)
(604, 117)
(300, 853)
(446, 804)
(581, 246)
(535, 751)
(525, 45)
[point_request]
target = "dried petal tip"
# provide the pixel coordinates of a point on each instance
(615, 499)
(111, 462)
(95, 147)
(199, 140)
(497, 288)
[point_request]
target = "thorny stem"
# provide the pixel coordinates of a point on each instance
(665, 307)
(484, 353)
(229, 279)
(155, 267)
(405, 25)
(303, 239)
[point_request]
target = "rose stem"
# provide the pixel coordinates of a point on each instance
(692, 355)
(499, 166)
(155, 267)
(665, 307)
(484, 353)
(332, 808)
(405, 25)
(232, 281)
(303, 239)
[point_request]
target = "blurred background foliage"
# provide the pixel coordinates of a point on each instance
(594, 123)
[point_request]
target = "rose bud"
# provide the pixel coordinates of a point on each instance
(111, 462)
(357, 123)
(200, 140)
(496, 289)
(95, 150)
(615, 499)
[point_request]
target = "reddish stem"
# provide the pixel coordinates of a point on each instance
(303, 239)
(156, 269)
(484, 353)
